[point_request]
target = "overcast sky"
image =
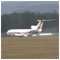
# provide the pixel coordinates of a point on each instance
(35, 6)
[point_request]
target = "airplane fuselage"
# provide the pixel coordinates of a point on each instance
(19, 31)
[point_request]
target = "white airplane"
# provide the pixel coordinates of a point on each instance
(34, 31)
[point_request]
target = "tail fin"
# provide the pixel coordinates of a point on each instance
(39, 25)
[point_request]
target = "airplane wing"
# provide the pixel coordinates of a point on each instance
(21, 35)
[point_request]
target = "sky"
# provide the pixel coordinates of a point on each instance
(8, 7)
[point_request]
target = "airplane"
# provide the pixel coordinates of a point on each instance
(34, 31)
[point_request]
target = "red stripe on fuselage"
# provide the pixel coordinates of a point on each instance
(19, 32)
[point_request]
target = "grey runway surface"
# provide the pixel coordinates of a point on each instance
(54, 35)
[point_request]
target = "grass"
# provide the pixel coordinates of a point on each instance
(30, 48)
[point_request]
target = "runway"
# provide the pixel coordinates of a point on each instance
(30, 47)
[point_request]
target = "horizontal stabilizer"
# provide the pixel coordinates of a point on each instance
(47, 20)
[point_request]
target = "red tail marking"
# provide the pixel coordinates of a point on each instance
(39, 25)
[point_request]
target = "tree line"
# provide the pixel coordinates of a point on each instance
(26, 19)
